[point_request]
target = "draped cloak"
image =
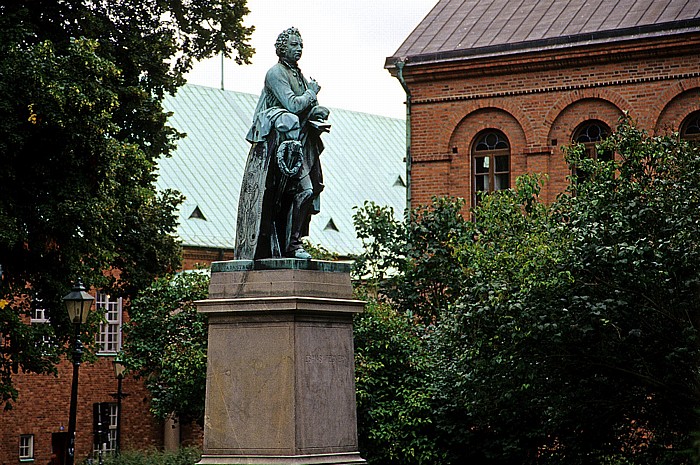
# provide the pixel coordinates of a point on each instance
(264, 207)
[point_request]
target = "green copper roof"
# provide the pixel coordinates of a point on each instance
(362, 160)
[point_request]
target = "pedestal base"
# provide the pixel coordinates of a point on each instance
(280, 368)
(321, 459)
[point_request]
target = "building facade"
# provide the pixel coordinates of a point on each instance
(498, 88)
(37, 424)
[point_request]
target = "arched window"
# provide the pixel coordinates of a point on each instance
(590, 133)
(491, 162)
(690, 129)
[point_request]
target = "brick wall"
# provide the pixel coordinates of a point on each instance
(538, 101)
(43, 404)
(43, 409)
(196, 257)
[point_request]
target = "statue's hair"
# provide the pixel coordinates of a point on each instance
(281, 43)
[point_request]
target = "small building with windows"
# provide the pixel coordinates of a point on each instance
(497, 88)
(37, 424)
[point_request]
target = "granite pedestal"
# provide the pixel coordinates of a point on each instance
(280, 370)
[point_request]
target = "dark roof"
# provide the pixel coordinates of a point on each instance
(462, 28)
(362, 160)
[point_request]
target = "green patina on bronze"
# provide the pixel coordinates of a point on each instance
(283, 178)
(280, 264)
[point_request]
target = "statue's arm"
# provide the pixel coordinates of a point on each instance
(277, 81)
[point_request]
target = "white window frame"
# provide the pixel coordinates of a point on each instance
(26, 447)
(109, 337)
(490, 152)
(110, 446)
(39, 313)
(39, 317)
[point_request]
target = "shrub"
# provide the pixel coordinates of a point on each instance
(184, 456)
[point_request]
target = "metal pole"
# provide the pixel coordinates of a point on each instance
(119, 415)
(409, 161)
(77, 359)
(222, 70)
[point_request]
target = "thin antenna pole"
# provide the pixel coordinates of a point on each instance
(222, 70)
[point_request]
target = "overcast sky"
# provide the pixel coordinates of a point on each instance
(345, 45)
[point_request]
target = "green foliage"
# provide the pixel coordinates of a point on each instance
(383, 240)
(567, 333)
(81, 130)
(408, 267)
(166, 344)
(22, 350)
(319, 252)
(395, 411)
(412, 264)
(184, 456)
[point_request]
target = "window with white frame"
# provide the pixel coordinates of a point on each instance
(108, 339)
(111, 445)
(26, 447)
(39, 316)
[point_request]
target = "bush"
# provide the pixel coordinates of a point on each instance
(184, 456)
(540, 334)
(394, 408)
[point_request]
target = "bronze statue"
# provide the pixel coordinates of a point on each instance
(283, 179)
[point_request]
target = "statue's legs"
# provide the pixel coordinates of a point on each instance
(303, 200)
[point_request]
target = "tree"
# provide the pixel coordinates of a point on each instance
(405, 274)
(571, 331)
(166, 344)
(81, 130)
(395, 406)
(412, 264)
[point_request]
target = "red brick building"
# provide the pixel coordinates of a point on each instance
(37, 424)
(498, 87)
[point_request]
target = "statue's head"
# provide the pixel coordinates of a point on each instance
(291, 51)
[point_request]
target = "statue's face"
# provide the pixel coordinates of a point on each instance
(294, 48)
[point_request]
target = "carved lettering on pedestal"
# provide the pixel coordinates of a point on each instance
(326, 359)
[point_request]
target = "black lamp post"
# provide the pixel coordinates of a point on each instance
(78, 303)
(119, 369)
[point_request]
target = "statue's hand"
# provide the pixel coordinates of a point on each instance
(313, 85)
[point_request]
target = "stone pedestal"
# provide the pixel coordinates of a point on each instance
(280, 370)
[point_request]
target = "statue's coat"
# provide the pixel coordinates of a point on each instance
(262, 224)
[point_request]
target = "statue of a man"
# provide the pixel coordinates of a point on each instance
(283, 178)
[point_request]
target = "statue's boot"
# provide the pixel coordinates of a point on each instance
(300, 212)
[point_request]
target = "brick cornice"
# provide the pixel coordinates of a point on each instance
(567, 87)
(551, 59)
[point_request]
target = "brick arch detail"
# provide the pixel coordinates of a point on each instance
(669, 95)
(574, 96)
(480, 118)
(464, 112)
(579, 117)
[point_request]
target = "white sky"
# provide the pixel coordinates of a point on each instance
(345, 45)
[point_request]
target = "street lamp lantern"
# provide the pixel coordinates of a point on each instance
(119, 367)
(78, 303)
